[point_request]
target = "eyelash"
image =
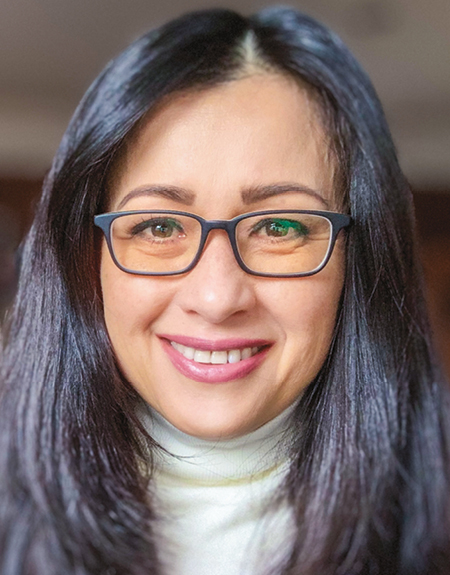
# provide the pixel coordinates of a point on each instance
(149, 223)
(298, 228)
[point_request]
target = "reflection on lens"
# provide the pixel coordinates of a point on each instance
(285, 243)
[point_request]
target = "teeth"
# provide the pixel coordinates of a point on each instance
(215, 357)
(189, 352)
(234, 356)
(201, 356)
(247, 352)
(219, 357)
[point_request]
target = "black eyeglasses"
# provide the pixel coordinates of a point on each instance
(278, 243)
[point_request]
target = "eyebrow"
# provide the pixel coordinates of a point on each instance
(258, 193)
(174, 193)
(249, 195)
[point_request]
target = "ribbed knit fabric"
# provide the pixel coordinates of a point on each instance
(215, 500)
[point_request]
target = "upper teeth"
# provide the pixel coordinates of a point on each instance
(216, 357)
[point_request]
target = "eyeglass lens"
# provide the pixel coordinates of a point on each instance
(267, 243)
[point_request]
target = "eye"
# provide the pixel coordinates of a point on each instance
(158, 228)
(280, 227)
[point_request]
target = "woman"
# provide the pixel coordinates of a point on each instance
(197, 329)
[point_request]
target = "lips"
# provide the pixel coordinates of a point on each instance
(214, 361)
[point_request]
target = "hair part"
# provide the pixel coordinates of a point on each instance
(250, 59)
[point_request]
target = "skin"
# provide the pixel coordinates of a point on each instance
(260, 130)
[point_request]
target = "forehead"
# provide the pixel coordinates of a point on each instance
(260, 130)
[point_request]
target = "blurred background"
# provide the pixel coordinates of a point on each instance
(51, 50)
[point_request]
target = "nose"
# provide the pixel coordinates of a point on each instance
(217, 288)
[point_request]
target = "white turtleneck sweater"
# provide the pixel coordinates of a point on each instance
(213, 500)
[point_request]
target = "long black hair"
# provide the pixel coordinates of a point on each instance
(369, 477)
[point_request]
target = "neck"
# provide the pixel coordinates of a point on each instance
(250, 456)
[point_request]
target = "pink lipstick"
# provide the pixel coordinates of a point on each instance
(214, 361)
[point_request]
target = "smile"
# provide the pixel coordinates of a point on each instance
(214, 361)
(215, 357)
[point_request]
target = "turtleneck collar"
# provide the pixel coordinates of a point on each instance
(212, 462)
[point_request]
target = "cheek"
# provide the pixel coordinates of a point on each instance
(312, 301)
(131, 305)
(310, 315)
(306, 312)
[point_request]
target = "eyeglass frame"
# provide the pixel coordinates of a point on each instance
(338, 222)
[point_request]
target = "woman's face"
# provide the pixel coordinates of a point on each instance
(221, 148)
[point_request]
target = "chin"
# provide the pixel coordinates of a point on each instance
(212, 427)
